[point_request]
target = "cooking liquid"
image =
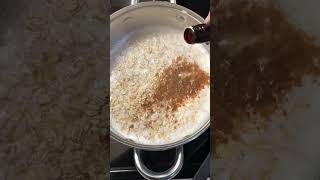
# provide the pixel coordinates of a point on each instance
(160, 94)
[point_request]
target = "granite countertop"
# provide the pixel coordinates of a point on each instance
(53, 90)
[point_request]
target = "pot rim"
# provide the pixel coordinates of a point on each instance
(187, 138)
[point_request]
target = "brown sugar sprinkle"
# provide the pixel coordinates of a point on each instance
(261, 58)
(176, 84)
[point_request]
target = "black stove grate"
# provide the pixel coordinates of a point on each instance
(195, 153)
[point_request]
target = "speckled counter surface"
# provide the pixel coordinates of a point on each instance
(53, 90)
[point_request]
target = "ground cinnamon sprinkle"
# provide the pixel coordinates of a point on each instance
(176, 84)
(261, 58)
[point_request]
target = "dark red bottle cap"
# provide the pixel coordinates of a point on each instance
(197, 34)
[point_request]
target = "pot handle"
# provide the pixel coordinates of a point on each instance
(166, 175)
(137, 1)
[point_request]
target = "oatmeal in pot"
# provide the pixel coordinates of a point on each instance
(160, 94)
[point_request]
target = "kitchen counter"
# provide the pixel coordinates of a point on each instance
(53, 90)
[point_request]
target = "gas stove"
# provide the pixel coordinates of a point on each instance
(196, 153)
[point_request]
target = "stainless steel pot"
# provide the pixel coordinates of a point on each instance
(159, 16)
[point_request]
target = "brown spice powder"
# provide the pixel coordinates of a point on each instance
(176, 84)
(261, 58)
